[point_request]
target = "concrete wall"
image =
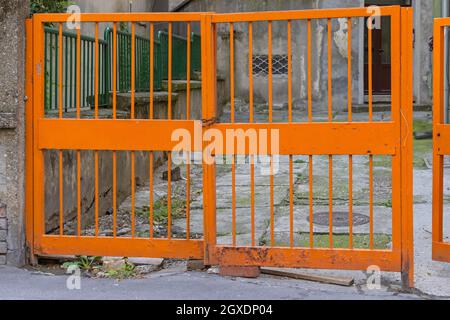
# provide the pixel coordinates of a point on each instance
(12, 147)
(88, 6)
(299, 52)
(422, 54)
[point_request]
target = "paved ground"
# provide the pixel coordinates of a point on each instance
(178, 284)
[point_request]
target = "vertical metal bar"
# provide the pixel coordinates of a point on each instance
(252, 199)
(370, 71)
(38, 113)
(349, 71)
(78, 98)
(150, 115)
(371, 200)
(272, 208)
(310, 117)
(84, 64)
(311, 209)
(169, 160)
(29, 159)
(350, 119)
(350, 201)
(407, 17)
(232, 111)
(96, 88)
(208, 68)
(45, 70)
(78, 72)
(114, 90)
(169, 76)
(270, 102)
(188, 116)
(57, 69)
(60, 107)
(330, 119)
(50, 83)
(232, 115)
(71, 66)
(133, 88)
(252, 157)
(309, 73)
(96, 72)
(270, 69)
(66, 72)
(370, 93)
(188, 71)
(233, 198)
(438, 118)
(169, 195)
(250, 70)
(291, 160)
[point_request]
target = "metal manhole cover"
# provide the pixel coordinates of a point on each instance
(340, 219)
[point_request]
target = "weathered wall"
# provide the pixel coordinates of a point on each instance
(88, 6)
(299, 52)
(12, 147)
(423, 56)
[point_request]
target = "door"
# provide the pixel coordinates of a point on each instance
(381, 53)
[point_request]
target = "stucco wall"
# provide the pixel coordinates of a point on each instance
(12, 158)
(299, 52)
(422, 54)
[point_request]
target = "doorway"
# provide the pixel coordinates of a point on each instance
(381, 51)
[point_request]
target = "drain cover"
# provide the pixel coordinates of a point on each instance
(340, 219)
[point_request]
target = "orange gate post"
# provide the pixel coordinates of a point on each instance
(441, 137)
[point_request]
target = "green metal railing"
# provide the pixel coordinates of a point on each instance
(87, 71)
(179, 56)
(142, 58)
(142, 66)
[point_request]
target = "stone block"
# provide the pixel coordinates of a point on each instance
(2, 211)
(195, 265)
(3, 248)
(3, 224)
(240, 271)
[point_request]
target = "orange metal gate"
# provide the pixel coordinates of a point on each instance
(319, 138)
(61, 132)
(441, 248)
(349, 138)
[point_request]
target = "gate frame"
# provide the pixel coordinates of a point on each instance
(441, 136)
(34, 166)
(327, 258)
(38, 139)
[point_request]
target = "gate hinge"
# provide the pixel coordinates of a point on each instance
(209, 122)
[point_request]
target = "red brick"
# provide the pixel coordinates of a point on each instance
(2, 211)
(195, 265)
(240, 271)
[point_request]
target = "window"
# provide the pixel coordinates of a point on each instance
(261, 65)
